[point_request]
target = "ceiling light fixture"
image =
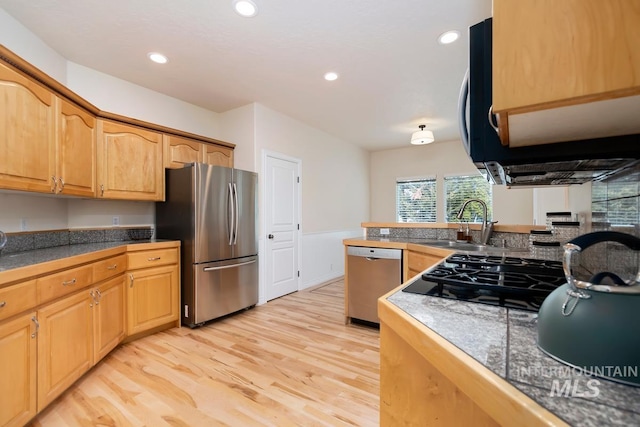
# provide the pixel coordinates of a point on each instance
(245, 8)
(448, 37)
(331, 76)
(422, 136)
(158, 58)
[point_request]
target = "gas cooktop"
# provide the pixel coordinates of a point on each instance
(521, 283)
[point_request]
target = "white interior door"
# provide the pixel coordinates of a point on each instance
(282, 224)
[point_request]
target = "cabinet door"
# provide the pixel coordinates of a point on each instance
(65, 345)
(18, 370)
(152, 298)
(565, 71)
(419, 261)
(76, 172)
(129, 162)
(180, 151)
(548, 51)
(217, 155)
(27, 133)
(108, 317)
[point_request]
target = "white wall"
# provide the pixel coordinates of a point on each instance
(335, 189)
(439, 159)
(14, 36)
(238, 126)
(121, 97)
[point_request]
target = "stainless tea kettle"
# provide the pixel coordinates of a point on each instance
(592, 325)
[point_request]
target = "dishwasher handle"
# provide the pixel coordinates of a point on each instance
(374, 253)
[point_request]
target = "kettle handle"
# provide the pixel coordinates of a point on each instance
(590, 239)
(586, 240)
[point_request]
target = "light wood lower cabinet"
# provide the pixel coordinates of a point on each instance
(418, 258)
(18, 370)
(152, 298)
(65, 346)
(108, 317)
(55, 327)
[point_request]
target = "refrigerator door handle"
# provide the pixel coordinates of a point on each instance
(232, 213)
(235, 203)
(228, 266)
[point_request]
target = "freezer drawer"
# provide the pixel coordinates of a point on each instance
(371, 273)
(220, 288)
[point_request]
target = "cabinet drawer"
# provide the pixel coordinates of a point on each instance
(17, 298)
(109, 267)
(152, 258)
(63, 283)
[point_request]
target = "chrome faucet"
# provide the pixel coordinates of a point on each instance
(487, 226)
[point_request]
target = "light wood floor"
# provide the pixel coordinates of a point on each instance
(290, 362)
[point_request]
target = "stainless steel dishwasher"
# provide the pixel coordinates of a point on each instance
(371, 273)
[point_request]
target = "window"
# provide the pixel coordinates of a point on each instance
(458, 189)
(416, 200)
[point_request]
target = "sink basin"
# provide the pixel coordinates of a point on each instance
(471, 247)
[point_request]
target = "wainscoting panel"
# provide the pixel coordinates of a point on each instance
(323, 256)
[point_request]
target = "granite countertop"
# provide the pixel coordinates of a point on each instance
(504, 341)
(37, 256)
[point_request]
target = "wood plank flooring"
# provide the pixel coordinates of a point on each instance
(290, 362)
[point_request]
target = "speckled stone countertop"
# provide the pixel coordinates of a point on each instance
(28, 258)
(504, 341)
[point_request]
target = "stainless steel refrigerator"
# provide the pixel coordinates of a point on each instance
(212, 210)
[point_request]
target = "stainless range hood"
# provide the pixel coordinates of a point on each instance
(558, 173)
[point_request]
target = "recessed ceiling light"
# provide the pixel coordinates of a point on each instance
(158, 58)
(331, 76)
(448, 37)
(245, 8)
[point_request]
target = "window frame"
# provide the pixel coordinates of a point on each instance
(474, 207)
(433, 183)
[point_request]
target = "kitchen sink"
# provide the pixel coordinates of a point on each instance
(471, 247)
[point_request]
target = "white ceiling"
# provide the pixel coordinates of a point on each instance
(394, 75)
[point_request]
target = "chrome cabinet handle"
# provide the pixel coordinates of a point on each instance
(112, 267)
(55, 184)
(153, 259)
(61, 185)
(99, 296)
(3, 303)
(101, 190)
(69, 282)
(35, 320)
(131, 278)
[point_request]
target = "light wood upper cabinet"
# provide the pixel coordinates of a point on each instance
(18, 353)
(76, 151)
(179, 151)
(217, 155)
(566, 70)
(27, 133)
(129, 162)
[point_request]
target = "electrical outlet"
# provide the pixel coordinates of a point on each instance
(116, 220)
(384, 231)
(23, 224)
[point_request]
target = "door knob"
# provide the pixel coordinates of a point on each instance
(270, 236)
